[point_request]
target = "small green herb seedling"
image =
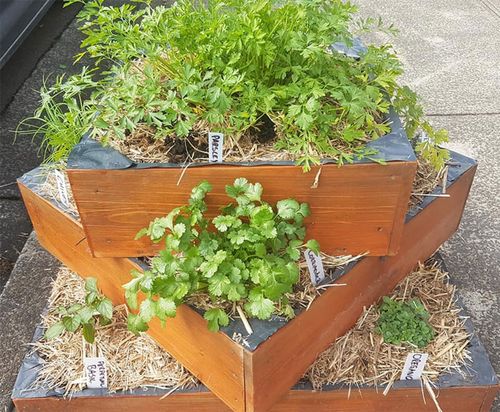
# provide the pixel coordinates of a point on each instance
(247, 255)
(95, 309)
(404, 322)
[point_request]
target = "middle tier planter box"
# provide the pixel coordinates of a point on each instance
(254, 374)
(355, 208)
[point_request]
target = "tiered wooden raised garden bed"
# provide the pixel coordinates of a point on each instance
(254, 378)
(355, 208)
(474, 389)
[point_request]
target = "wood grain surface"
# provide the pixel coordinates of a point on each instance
(456, 399)
(355, 208)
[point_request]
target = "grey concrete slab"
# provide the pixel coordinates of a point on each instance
(450, 50)
(473, 254)
(19, 156)
(21, 303)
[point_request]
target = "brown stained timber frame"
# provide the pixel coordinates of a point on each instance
(255, 381)
(355, 208)
(456, 399)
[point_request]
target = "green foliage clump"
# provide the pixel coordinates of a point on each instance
(96, 309)
(247, 255)
(404, 322)
(233, 65)
(63, 115)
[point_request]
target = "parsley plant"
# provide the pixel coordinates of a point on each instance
(234, 66)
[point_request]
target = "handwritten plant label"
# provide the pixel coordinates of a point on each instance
(96, 372)
(414, 366)
(315, 266)
(215, 145)
(61, 188)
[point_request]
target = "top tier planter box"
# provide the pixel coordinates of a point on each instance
(355, 208)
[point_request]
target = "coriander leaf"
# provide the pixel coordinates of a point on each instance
(141, 233)
(147, 310)
(223, 223)
(166, 308)
(254, 192)
(218, 284)
(258, 306)
(261, 214)
(199, 192)
(131, 298)
(136, 324)
(287, 209)
(313, 245)
(179, 229)
(216, 318)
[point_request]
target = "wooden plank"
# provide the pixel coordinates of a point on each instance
(281, 361)
(456, 399)
(213, 357)
(356, 208)
(425, 233)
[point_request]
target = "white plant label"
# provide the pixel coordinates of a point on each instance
(61, 188)
(96, 372)
(215, 145)
(315, 266)
(414, 366)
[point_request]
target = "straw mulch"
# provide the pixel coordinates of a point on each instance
(132, 361)
(141, 147)
(426, 180)
(360, 357)
(49, 189)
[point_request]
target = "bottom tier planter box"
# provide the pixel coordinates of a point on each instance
(254, 377)
(471, 389)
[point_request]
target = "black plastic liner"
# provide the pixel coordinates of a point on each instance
(478, 373)
(263, 329)
(90, 154)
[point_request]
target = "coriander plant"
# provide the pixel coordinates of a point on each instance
(248, 255)
(404, 322)
(96, 309)
(237, 66)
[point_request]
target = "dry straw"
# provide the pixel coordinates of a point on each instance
(51, 189)
(426, 180)
(360, 357)
(132, 361)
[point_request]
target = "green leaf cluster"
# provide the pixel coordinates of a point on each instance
(404, 322)
(246, 255)
(233, 65)
(96, 310)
